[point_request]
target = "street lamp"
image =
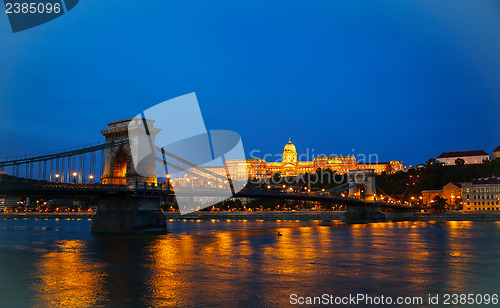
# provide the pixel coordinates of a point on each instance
(91, 179)
(74, 177)
(57, 177)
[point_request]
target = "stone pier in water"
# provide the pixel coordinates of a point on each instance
(134, 211)
(129, 214)
(363, 214)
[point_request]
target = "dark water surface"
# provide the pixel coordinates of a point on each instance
(241, 263)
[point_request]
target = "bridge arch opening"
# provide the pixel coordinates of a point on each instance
(120, 168)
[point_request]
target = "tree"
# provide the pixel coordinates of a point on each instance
(439, 205)
(459, 162)
(431, 161)
(277, 177)
(328, 176)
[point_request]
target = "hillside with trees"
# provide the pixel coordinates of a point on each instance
(434, 176)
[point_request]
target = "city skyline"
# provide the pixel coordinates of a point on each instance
(249, 153)
(403, 80)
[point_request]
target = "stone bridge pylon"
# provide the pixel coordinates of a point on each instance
(119, 168)
(362, 187)
(135, 210)
(365, 180)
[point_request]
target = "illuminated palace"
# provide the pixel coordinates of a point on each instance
(290, 166)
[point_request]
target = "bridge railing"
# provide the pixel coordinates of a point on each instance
(49, 185)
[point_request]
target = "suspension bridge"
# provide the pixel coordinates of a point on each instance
(129, 200)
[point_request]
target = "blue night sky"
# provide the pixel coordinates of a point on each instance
(406, 80)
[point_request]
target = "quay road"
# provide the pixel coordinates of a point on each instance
(8, 187)
(277, 215)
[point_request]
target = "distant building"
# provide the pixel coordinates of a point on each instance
(8, 203)
(429, 195)
(379, 168)
(420, 166)
(452, 192)
(481, 195)
(469, 157)
(290, 166)
(496, 152)
(61, 204)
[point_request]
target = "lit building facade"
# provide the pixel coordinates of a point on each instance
(469, 157)
(429, 195)
(481, 195)
(496, 152)
(452, 192)
(290, 166)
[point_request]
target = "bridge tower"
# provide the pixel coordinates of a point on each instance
(135, 210)
(118, 166)
(289, 164)
(367, 189)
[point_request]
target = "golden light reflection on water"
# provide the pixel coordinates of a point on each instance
(67, 279)
(459, 253)
(387, 254)
(167, 258)
(249, 261)
(178, 264)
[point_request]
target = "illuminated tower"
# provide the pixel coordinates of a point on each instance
(289, 165)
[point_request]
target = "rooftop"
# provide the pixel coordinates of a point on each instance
(333, 157)
(463, 154)
(374, 163)
(489, 180)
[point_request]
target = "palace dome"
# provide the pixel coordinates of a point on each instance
(289, 147)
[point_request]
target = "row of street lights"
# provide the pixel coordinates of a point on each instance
(91, 177)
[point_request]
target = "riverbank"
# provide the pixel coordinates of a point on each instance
(336, 215)
(46, 215)
(276, 215)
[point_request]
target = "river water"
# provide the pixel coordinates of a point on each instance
(59, 263)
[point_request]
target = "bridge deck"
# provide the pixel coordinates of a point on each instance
(27, 187)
